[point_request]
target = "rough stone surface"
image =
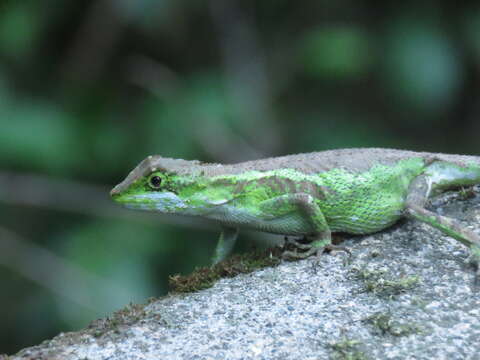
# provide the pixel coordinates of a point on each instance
(296, 312)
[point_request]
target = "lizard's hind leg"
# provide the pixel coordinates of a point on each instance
(415, 208)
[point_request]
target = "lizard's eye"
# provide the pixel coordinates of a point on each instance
(155, 182)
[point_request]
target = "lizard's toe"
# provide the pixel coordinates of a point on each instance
(294, 255)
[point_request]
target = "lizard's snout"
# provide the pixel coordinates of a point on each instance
(115, 191)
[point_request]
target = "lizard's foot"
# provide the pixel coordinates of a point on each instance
(294, 255)
(315, 248)
(297, 244)
(474, 261)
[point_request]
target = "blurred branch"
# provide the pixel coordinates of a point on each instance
(94, 42)
(165, 84)
(229, 146)
(245, 67)
(75, 197)
(153, 76)
(54, 273)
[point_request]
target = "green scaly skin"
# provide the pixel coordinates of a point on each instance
(358, 191)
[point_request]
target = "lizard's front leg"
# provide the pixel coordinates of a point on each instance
(304, 206)
(225, 244)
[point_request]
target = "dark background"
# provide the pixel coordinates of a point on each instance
(90, 88)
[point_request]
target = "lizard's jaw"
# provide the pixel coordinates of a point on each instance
(164, 202)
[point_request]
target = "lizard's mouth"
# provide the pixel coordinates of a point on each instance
(115, 191)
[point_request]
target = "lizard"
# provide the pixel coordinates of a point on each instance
(356, 191)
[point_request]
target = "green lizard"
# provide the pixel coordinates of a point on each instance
(357, 191)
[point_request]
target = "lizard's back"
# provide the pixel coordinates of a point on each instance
(352, 160)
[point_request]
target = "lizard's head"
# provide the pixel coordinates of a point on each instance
(155, 184)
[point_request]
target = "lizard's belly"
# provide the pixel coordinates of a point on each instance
(289, 224)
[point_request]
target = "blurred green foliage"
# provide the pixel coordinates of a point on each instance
(337, 52)
(423, 65)
(89, 88)
(19, 26)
